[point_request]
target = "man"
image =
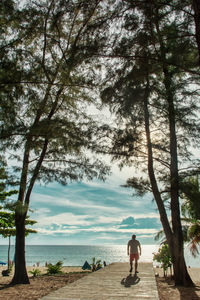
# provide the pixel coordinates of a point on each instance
(132, 249)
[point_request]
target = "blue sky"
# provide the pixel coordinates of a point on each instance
(92, 213)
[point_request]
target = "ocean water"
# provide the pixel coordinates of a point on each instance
(76, 255)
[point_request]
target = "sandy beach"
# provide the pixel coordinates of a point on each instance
(43, 270)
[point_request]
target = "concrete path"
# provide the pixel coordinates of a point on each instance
(112, 282)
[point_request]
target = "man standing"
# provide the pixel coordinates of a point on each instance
(132, 249)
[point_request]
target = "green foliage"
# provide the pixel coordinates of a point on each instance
(96, 265)
(152, 90)
(54, 269)
(4, 194)
(163, 256)
(190, 192)
(7, 224)
(45, 124)
(35, 272)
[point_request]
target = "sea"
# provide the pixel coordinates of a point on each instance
(76, 255)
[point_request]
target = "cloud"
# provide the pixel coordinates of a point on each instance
(128, 221)
(92, 212)
(78, 198)
(110, 230)
(65, 218)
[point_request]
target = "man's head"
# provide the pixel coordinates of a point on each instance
(133, 236)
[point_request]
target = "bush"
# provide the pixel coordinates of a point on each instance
(55, 269)
(163, 256)
(96, 265)
(35, 272)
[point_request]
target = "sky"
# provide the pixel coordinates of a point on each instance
(92, 213)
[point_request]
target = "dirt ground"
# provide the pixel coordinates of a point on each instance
(39, 286)
(43, 285)
(168, 291)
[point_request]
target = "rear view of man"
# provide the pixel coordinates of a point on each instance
(132, 250)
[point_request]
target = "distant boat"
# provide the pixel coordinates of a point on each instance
(2, 263)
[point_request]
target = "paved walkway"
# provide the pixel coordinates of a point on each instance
(112, 282)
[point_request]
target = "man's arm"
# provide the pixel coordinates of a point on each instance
(140, 248)
(128, 248)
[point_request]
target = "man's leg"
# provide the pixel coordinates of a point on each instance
(131, 263)
(136, 266)
(131, 266)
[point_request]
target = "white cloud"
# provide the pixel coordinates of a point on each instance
(96, 229)
(82, 203)
(65, 218)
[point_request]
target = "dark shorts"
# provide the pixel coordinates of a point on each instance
(134, 256)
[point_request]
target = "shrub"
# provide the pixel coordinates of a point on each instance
(96, 265)
(35, 272)
(163, 256)
(54, 269)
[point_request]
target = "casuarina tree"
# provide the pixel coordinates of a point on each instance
(49, 137)
(155, 98)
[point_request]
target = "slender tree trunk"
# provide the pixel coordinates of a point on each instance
(196, 8)
(9, 252)
(20, 275)
(153, 181)
(181, 275)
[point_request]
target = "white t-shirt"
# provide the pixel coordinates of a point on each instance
(133, 246)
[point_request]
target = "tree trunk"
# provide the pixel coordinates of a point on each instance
(20, 275)
(151, 173)
(196, 8)
(174, 239)
(9, 252)
(181, 275)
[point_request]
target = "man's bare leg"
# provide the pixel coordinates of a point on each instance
(136, 266)
(131, 266)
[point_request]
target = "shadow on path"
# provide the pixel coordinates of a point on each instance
(130, 280)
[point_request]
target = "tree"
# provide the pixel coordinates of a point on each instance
(155, 105)
(51, 128)
(7, 228)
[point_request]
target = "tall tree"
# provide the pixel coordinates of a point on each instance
(51, 130)
(154, 101)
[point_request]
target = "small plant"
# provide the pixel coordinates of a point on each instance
(35, 272)
(96, 265)
(54, 269)
(163, 256)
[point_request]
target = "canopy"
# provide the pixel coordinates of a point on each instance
(86, 266)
